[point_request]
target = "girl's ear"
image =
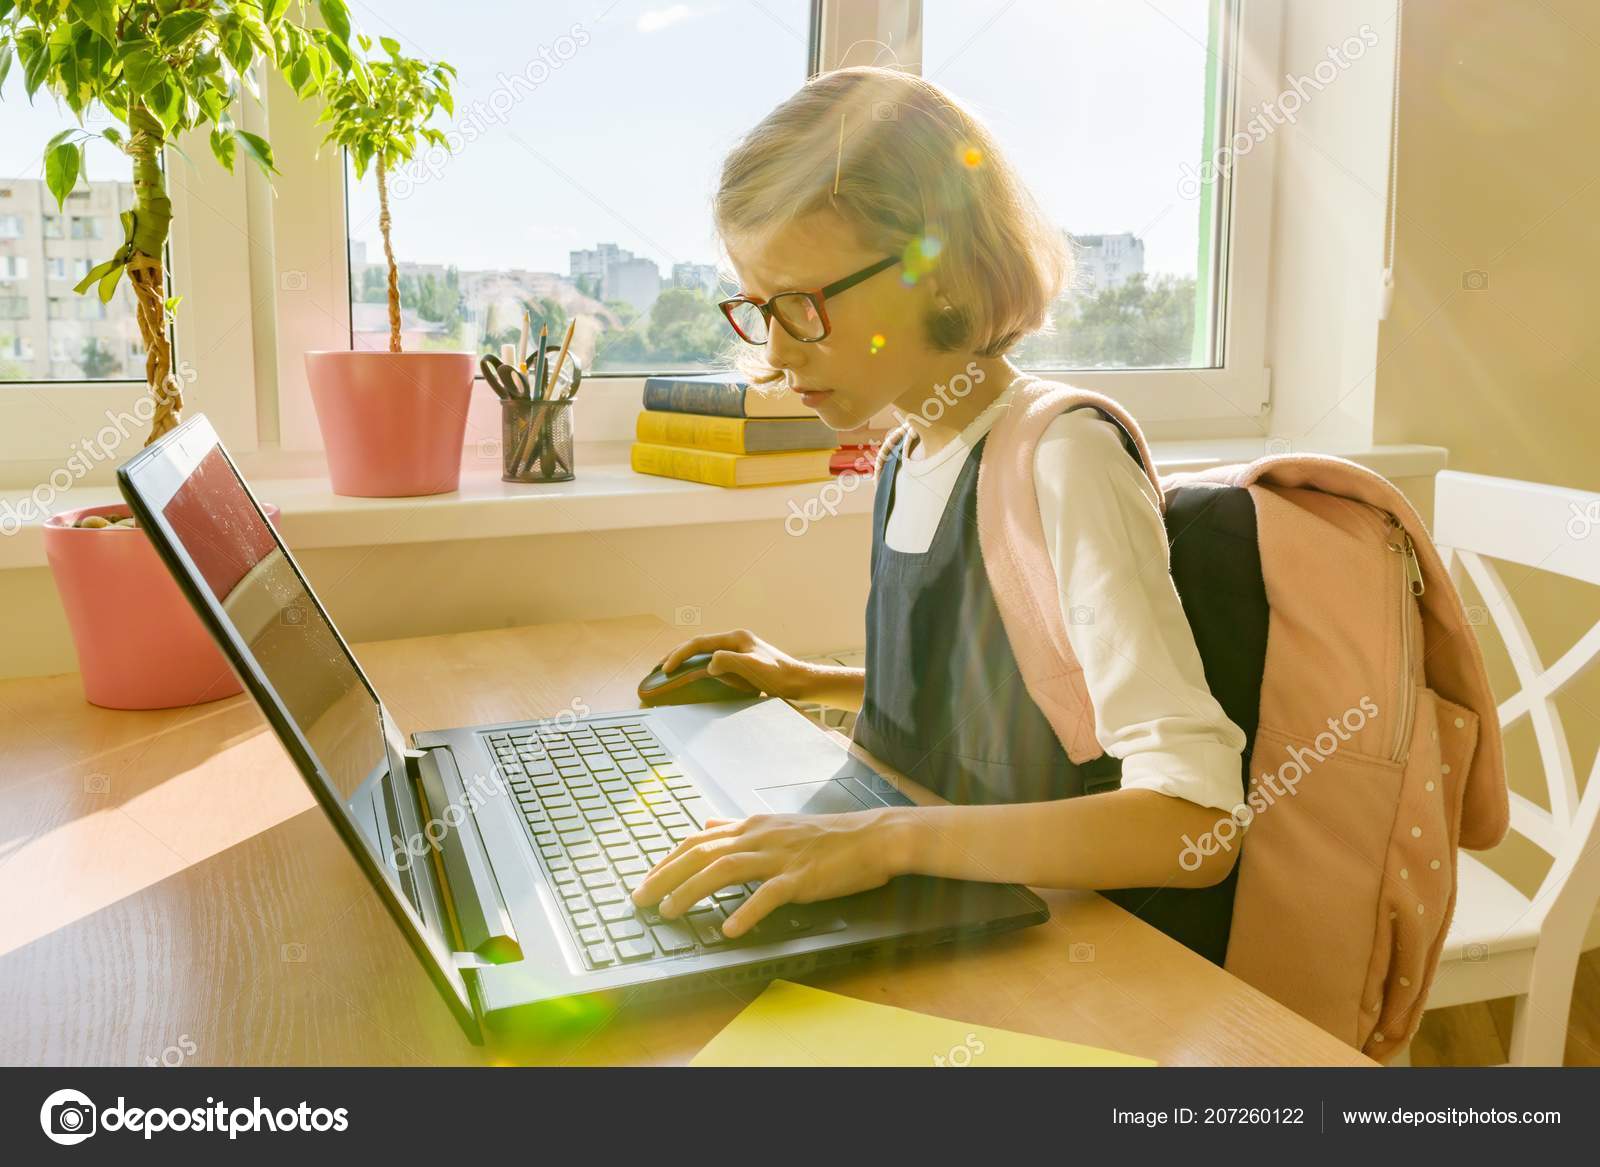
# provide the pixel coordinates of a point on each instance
(946, 324)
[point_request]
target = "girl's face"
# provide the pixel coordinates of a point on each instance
(876, 352)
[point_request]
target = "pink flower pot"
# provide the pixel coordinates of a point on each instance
(393, 423)
(140, 644)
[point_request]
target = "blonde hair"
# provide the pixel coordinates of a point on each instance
(914, 173)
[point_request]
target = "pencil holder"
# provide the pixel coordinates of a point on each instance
(536, 440)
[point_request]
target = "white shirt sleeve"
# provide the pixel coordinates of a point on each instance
(1104, 533)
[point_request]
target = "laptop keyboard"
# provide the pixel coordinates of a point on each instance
(604, 803)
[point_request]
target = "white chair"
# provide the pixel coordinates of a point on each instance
(1501, 943)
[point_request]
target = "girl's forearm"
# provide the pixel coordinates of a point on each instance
(836, 686)
(1123, 838)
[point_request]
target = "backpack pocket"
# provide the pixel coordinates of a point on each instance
(1312, 866)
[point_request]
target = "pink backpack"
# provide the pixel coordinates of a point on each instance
(1377, 750)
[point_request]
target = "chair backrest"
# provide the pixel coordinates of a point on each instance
(1557, 530)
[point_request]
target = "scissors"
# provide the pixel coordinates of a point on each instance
(507, 381)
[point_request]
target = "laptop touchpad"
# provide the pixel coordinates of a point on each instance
(830, 797)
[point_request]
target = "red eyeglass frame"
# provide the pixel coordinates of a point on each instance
(817, 296)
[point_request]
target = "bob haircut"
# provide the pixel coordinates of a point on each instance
(914, 173)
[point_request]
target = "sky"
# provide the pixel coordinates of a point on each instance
(1098, 102)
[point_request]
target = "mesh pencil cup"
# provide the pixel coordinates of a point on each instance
(536, 440)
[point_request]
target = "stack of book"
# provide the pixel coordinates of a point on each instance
(858, 448)
(720, 430)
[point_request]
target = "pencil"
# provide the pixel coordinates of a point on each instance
(538, 369)
(561, 357)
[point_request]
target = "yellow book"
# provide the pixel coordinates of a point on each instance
(718, 469)
(734, 435)
(795, 1025)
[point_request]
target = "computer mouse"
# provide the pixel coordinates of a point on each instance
(690, 684)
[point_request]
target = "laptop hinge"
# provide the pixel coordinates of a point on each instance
(478, 912)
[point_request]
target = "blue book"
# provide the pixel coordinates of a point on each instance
(721, 395)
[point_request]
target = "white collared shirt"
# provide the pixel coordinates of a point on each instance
(1106, 539)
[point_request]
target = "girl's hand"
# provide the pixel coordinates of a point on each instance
(801, 858)
(744, 654)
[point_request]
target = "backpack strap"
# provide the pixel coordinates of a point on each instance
(1021, 575)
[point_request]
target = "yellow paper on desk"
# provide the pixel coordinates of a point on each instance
(793, 1025)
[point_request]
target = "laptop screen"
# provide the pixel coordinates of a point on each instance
(242, 564)
(251, 593)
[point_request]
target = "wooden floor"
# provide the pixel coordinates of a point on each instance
(1479, 1035)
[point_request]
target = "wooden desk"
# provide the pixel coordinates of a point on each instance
(169, 892)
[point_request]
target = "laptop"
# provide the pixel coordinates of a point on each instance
(505, 853)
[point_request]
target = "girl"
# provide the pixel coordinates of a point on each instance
(889, 256)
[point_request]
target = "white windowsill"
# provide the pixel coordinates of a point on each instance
(605, 495)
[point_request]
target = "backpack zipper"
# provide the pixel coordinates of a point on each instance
(1411, 587)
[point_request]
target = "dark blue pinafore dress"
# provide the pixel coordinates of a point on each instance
(946, 705)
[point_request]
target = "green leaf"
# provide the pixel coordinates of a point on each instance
(108, 284)
(59, 138)
(134, 44)
(112, 135)
(275, 10)
(300, 76)
(390, 46)
(166, 102)
(35, 62)
(180, 26)
(61, 166)
(98, 272)
(100, 15)
(5, 61)
(143, 70)
(339, 53)
(258, 148)
(337, 17)
(223, 148)
(171, 303)
(214, 105)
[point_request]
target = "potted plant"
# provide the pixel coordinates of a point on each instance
(159, 69)
(393, 422)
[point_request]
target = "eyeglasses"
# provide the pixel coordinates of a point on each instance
(802, 314)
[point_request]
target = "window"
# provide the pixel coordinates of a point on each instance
(580, 205)
(1118, 182)
(31, 218)
(13, 307)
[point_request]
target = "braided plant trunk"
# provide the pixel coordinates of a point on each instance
(152, 224)
(388, 255)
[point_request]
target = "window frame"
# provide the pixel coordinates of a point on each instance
(43, 424)
(288, 268)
